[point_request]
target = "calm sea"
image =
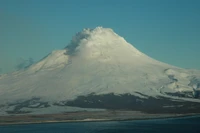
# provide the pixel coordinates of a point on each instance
(170, 125)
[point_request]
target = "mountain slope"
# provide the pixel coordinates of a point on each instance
(97, 62)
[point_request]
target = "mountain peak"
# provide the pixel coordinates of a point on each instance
(96, 32)
(98, 39)
(100, 44)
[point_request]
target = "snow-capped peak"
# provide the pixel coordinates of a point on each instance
(97, 40)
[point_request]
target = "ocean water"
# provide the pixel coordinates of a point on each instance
(169, 125)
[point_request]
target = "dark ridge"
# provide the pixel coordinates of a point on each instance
(185, 94)
(194, 81)
(196, 93)
(17, 112)
(141, 94)
(131, 102)
(31, 103)
(172, 78)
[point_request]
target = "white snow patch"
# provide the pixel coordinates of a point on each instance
(57, 59)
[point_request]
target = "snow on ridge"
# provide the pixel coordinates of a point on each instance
(56, 59)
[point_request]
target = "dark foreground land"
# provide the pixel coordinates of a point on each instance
(117, 107)
(83, 116)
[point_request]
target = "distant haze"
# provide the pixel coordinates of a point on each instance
(166, 30)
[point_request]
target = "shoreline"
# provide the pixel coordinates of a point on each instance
(45, 120)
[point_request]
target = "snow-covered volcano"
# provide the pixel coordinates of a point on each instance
(95, 66)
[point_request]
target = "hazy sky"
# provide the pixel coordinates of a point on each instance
(167, 30)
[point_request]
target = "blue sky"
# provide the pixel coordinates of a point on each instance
(167, 30)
